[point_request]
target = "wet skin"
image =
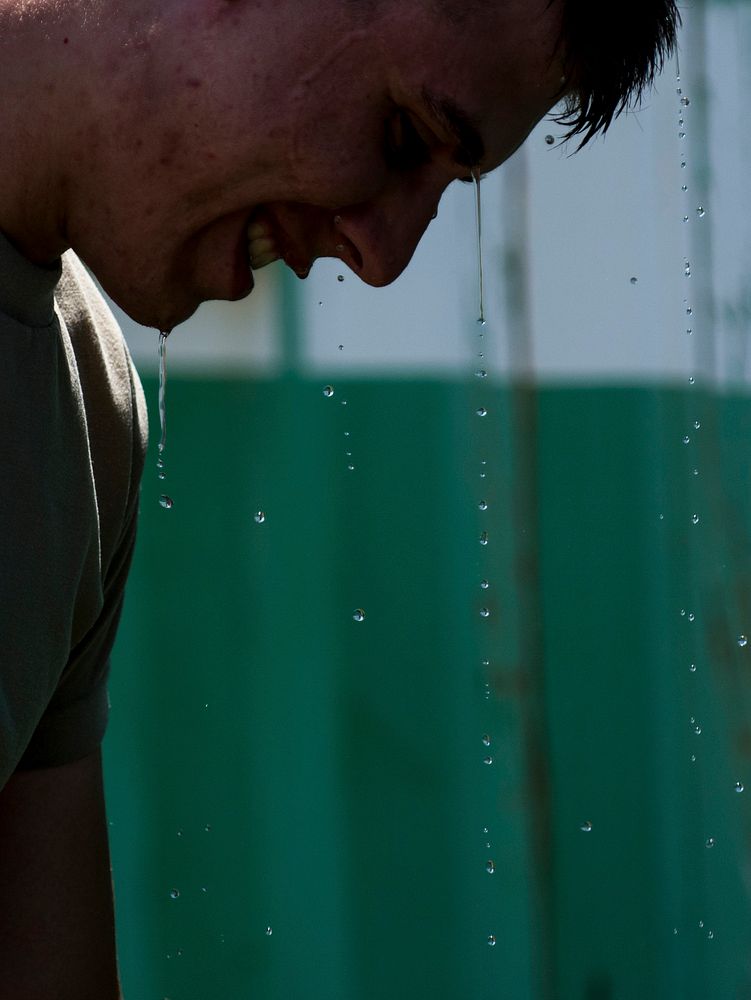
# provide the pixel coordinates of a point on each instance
(327, 135)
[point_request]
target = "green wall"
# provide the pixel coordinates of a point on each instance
(339, 765)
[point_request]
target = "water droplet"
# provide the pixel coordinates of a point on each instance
(686, 439)
(691, 616)
(483, 505)
(486, 743)
(484, 538)
(683, 612)
(490, 867)
(344, 402)
(482, 412)
(692, 668)
(693, 758)
(340, 277)
(700, 212)
(269, 932)
(203, 888)
(689, 311)
(586, 827)
(697, 425)
(681, 135)
(710, 935)
(179, 833)
(697, 730)
(685, 218)
(701, 924)
(207, 828)
(685, 101)
(710, 842)
(166, 502)
(691, 380)
(350, 468)
(662, 517)
(341, 347)
(485, 830)
(684, 187)
(549, 139)
(487, 760)
(174, 894)
(358, 615)
(484, 584)
(481, 373)
(694, 518)
(259, 517)
(742, 640)
(484, 613)
(687, 269)
(634, 280)
(491, 940)
(328, 391)
(339, 248)
(739, 786)
(675, 930)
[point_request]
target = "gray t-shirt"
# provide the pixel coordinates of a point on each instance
(72, 441)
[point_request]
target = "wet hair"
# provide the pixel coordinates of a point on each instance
(611, 54)
(612, 50)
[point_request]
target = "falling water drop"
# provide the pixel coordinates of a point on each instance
(694, 518)
(491, 940)
(175, 894)
(549, 139)
(490, 867)
(484, 584)
(742, 640)
(259, 517)
(739, 786)
(328, 391)
(586, 827)
(478, 214)
(166, 502)
(685, 101)
(483, 505)
(358, 615)
(484, 538)
(482, 412)
(634, 279)
(486, 743)
(484, 612)
(269, 932)
(710, 842)
(700, 212)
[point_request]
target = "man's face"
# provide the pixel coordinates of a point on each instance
(317, 134)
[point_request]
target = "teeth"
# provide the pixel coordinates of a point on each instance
(262, 249)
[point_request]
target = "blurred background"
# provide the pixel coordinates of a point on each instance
(526, 772)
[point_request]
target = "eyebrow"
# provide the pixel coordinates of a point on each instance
(470, 149)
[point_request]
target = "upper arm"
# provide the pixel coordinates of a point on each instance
(57, 934)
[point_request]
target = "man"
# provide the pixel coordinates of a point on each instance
(176, 145)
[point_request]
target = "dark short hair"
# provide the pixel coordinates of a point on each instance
(611, 54)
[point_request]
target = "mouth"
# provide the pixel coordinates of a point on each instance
(265, 247)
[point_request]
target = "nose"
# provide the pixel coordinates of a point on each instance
(385, 232)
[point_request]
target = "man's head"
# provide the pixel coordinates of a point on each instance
(326, 129)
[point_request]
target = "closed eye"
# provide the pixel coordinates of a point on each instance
(405, 148)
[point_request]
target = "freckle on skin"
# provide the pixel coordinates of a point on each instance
(192, 81)
(65, 41)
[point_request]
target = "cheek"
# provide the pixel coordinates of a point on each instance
(338, 157)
